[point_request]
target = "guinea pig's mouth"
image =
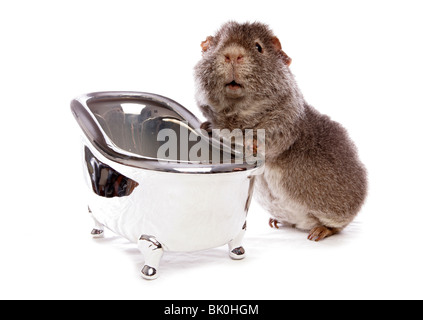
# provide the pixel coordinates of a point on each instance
(233, 85)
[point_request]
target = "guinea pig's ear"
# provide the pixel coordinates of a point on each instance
(205, 45)
(278, 47)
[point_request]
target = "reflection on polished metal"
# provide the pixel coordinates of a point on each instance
(250, 194)
(96, 233)
(105, 181)
(152, 240)
(148, 272)
(176, 205)
(237, 253)
(124, 126)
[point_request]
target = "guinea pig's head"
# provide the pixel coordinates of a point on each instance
(241, 61)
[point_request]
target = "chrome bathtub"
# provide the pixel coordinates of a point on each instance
(173, 205)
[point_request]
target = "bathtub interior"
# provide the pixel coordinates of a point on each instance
(134, 124)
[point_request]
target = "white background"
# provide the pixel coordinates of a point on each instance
(359, 62)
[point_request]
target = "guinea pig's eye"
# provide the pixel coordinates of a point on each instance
(259, 48)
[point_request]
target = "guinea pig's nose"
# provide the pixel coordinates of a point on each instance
(233, 56)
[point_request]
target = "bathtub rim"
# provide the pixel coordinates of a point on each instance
(102, 143)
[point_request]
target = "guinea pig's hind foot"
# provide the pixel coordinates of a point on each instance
(320, 232)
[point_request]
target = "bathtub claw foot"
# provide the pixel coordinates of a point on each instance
(237, 253)
(149, 273)
(152, 251)
(97, 233)
(98, 230)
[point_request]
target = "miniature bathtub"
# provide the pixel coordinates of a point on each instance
(172, 205)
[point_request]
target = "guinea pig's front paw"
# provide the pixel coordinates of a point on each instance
(207, 126)
(251, 147)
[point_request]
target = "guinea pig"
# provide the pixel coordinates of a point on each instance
(313, 179)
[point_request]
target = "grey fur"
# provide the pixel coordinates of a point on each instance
(313, 176)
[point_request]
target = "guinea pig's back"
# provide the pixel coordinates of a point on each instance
(322, 168)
